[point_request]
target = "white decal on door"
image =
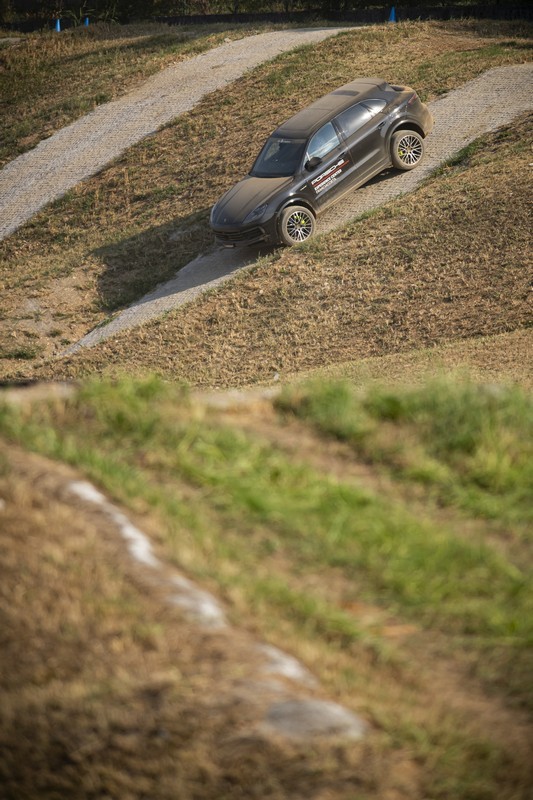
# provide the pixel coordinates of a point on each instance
(330, 176)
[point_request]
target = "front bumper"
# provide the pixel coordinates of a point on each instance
(240, 238)
(246, 235)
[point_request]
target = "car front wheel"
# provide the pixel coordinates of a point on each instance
(297, 224)
(407, 149)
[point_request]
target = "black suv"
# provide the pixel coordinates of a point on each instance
(312, 160)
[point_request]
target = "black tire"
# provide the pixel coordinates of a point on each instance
(297, 224)
(407, 149)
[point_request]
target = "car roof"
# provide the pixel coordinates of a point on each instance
(311, 118)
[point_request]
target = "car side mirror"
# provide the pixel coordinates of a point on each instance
(313, 163)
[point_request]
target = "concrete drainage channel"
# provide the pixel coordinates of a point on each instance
(484, 104)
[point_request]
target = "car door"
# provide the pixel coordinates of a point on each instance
(360, 126)
(326, 179)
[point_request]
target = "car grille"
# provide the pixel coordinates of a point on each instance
(231, 237)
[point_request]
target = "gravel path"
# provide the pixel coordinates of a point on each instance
(481, 105)
(80, 150)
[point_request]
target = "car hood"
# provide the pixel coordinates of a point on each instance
(235, 205)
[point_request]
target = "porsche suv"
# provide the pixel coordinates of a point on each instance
(325, 151)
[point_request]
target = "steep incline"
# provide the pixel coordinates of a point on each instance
(481, 105)
(82, 149)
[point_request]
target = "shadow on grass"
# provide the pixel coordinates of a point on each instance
(517, 45)
(142, 45)
(139, 267)
(136, 264)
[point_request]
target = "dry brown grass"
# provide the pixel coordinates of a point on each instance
(504, 358)
(113, 237)
(48, 80)
(450, 262)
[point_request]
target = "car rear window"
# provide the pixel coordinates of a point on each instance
(278, 158)
(353, 118)
(375, 106)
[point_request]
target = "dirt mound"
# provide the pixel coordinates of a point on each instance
(108, 691)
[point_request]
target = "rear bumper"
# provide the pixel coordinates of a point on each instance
(428, 123)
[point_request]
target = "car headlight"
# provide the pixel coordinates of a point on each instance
(257, 213)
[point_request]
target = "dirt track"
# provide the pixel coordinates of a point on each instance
(82, 149)
(481, 105)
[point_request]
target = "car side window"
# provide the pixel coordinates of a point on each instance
(323, 142)
(353, 118)
(375, 106)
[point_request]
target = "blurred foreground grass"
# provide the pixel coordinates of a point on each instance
(390, 550)
(245, 502)
(472, 445)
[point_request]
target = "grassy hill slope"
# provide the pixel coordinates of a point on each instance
(381, 536)
(120, 233)
(49, 80)
(447, 263)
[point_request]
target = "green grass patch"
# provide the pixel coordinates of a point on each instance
(461, 158)
(474, 440)
(471, 443)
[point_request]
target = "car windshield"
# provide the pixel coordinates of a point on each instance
(278, 158)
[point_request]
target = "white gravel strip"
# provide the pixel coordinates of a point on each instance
(481, 105)
(199, 604)
(80, 150)
(295, 717)
(279, 663)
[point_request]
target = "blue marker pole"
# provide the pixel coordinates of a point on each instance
(58, 25)
(392, 17)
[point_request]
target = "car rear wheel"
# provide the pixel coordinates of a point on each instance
(407, 149)
(296, 225)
